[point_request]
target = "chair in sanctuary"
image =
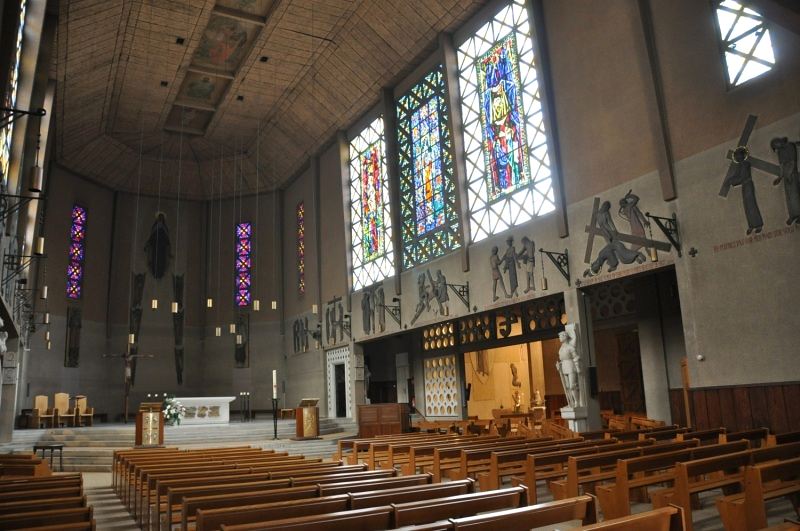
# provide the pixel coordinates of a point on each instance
(64, 414)
(41, 414)
(85, 413)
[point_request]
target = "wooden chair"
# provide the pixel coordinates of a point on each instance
(85, 414)
(41, 414)
(65, 415)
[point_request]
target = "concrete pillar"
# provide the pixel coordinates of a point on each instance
(651, 346)
(576, 307)
(8, 395)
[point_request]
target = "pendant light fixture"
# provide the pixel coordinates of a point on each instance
(44, 293)
(218, 331)
(653, 250)
(256, 301)
(36, 179)
(154, 304)
(154, 300)
(134, 240)
(38, 248)
(175, 306)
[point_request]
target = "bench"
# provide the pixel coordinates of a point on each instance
(427, 511)
(649, 470)
(757, 437)
(372, 519)
(581, 508)
(783, 438)
(552, 465)
(663, 519)
(45, 517)
(434, 456)
(763, 482)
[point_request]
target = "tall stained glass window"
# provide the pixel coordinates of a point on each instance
(10, 95)
(301, 247)
(77, 252)
(745, 40)
(427, 190)
(372, 251)
(244, 264)
(508, 164)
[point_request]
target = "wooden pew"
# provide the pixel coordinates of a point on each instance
(372, 519)
(766, 479)
(41, 494)
(509, 462)
(757, 437)
(401, 454)
(591, 469)
(389, 454)
(649, 470)
(427, 511)
(663, 519)
(476, 461)
(690, 479)
(360, 447)
(552, 465)
(49, 503)
(45, 517)
(23, 465)
(783, 438)
(546, 514)
(348, 487)
(714, 436)
(210, 512)
(376, 498)
(433, 456)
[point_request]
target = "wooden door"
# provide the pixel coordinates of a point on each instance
(629, 363)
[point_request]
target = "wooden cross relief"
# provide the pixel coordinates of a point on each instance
(593, 230)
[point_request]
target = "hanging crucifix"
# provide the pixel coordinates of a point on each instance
(128, 359)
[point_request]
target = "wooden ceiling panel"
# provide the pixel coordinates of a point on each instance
(326, 61)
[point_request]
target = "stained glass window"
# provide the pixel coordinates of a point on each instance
(372, 251)
(301, 247)
(746, 42)
(508, 164)
(244, 264)
(77, 252)
(10, 95)
(427, 190)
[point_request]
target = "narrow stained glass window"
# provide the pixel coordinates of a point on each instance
(427, 190)
(508, 164)
(10, 98)
(77, 252)
(244, 263)
(372, 251)
(301, 247)
(745, 40)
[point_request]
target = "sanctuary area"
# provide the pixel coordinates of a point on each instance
(382, 264)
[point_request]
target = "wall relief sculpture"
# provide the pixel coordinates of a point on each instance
(73, 342)
(242, 349)
(334, 321)
(615, 250)
(505, 268)
(373, 316)
(740, 174)
(432, 294)
(157, 248)
(300, 335)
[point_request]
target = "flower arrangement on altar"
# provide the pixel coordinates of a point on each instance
(173, 411)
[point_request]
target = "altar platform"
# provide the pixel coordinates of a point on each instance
(91, 449)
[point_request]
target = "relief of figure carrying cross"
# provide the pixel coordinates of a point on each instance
(615, 251)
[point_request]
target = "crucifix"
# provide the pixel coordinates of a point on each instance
(128, 359)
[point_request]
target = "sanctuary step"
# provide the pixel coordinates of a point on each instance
(91, 449)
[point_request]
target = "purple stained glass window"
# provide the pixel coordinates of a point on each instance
(243, 264)
(77, 252)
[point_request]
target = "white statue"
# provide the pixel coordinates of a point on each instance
(569, 366)
(3, 338)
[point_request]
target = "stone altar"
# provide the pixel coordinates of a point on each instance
(206, 409)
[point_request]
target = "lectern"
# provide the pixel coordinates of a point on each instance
(149, 425)
(307, 419)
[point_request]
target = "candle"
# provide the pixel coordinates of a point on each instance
(274, 384)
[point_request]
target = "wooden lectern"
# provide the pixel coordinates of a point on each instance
(149, 425)
(307, 419)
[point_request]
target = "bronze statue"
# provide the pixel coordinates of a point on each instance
(157, 247)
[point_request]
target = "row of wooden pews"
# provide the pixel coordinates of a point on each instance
(21, 465)
(45, 503)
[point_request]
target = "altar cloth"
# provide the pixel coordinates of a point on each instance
(206, 409)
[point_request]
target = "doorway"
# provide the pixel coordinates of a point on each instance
(341, 386)
(638, 343)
